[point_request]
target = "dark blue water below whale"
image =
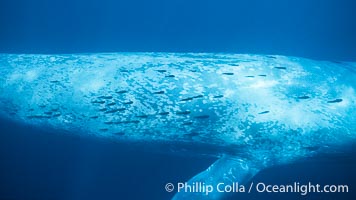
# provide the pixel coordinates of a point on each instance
(37, 164)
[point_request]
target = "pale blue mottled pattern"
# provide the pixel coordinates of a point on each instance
(264, 109)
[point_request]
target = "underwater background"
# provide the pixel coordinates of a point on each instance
(38, 164)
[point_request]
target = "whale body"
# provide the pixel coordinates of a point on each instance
(255, 110)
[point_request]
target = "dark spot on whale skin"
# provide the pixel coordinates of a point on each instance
(193, 70)
(12, 113)
(142, 116)
(187, 99)
(303, 97)
(163, 113)
(55, 81)
(192, 134)
(198, 96)
(159, 92)
(218, 96)
(111, 104)
(103, 109)
(249, 76)
(170, 76)
(161, 70)
(121, 92)
(187, 112)
(105, 97)
(127, 103)
(312, 148)
(103, 129)
(57, 115)
(233, 64)
(280, 67)
(38, 117)
(119, 133)
(98, 101)
(264, 112)
(187, 123)
(94, 117)
(115, 110)
(335, 101)
(202, 117)
(108, 123)
(263, 75)
(124, 70)
(228, 73)
(128, 122)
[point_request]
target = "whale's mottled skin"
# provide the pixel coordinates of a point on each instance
(259, 110)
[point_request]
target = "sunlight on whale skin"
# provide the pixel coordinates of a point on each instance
(257, 110)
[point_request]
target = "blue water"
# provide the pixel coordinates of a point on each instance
(35, 164)
(308, 28)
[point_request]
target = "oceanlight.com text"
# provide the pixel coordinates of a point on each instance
(260, 187)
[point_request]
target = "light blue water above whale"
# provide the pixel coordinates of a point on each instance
(255, 111)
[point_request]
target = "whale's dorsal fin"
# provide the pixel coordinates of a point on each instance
(226, 170)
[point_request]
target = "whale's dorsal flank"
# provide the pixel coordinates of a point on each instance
(253, 111)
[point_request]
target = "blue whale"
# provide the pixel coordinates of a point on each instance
(250, 111)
